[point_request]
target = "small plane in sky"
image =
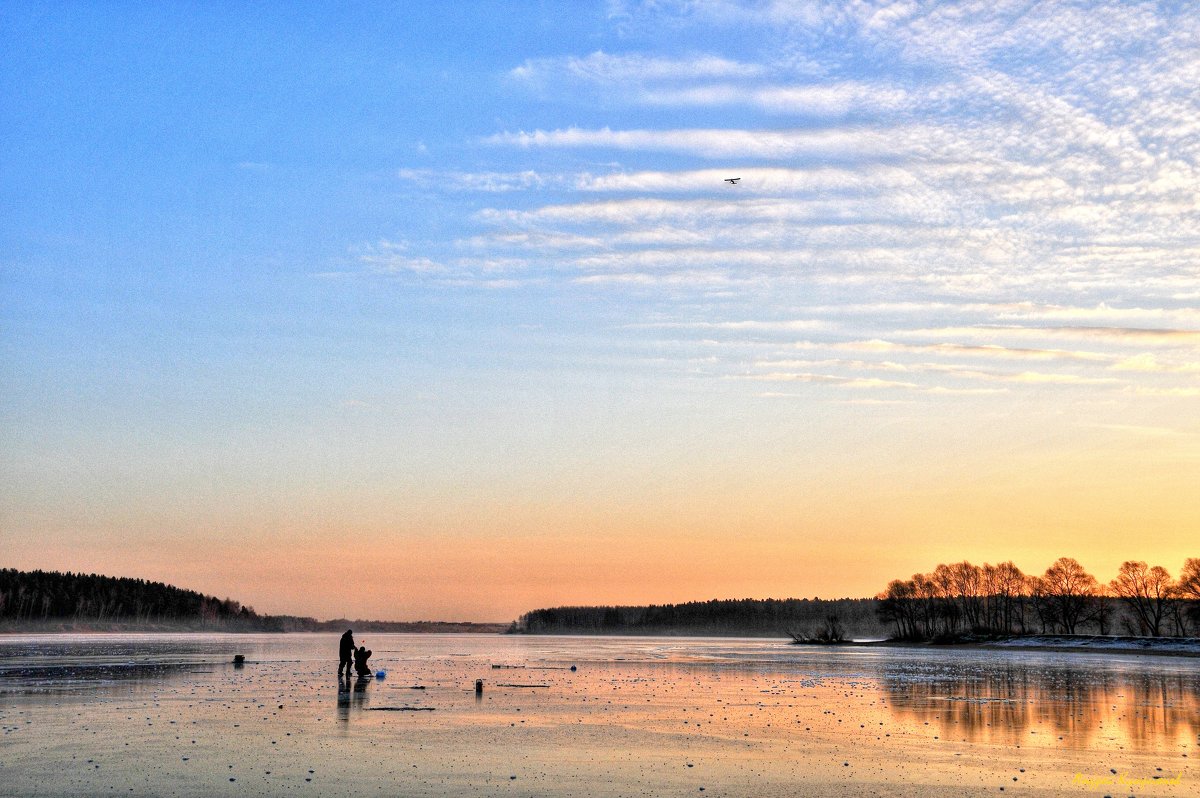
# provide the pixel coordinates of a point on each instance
(732, 180)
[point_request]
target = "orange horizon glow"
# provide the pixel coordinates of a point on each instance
(493, 564)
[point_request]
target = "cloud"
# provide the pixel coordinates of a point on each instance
(1148, 362)
(942, 390)
(1155, 391)
(1040, 378)
(537, 240)
(1143, 431)
(998, 193)
(830, 379)
(1125, 335)
(389, 258)
(884, 365)
(837, 99)
(476, 181)
(637, 68)
(679, 259)
(703, 280)
(985, 351)
(1027, 377)
(702, 213)
(723, 143)
(870, 383)
(392, 259)
(769, 180)
(1100, 311)
(868, 402)
(782, 324)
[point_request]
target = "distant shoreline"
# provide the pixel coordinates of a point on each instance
(47, 602)
(323, 627)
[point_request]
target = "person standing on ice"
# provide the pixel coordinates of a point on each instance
(346, 653)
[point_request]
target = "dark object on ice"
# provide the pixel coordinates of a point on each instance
(346, 652)
(479, 687)
(239, 660)
(830, 633)
(572, 668)
(360, 661)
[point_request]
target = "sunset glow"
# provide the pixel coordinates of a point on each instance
(430, 311)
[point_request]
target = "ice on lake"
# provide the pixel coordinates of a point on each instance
(172, 715)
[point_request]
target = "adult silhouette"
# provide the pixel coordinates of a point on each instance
(346, 653)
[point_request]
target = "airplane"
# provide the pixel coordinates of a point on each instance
(732, 180)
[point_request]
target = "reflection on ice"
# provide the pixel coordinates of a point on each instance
(1040, 704)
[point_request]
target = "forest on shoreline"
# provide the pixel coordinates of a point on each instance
(951, 603)
(731, 617)
(962, 599)
(52, 601)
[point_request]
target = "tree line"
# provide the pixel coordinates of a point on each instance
(33, 596)
(51, 600)
(963, 598)
(747, 617)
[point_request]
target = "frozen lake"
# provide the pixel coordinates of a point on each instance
(170, 715)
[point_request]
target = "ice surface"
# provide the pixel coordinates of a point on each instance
(171, 715)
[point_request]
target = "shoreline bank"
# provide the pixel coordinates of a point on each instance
(323, 627)
(1094, 644)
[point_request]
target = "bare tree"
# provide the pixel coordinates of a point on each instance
(1039, 598)
(1189, 579)
(1188, 587)
(967, 589)
(1069, 590)
(948, 610)
(1007, 585)
(1101, 614)
(831, 631)
(896, 607)
(1147, 592)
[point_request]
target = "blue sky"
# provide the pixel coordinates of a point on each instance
(436, 279)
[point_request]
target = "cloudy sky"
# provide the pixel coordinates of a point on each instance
(445, 310)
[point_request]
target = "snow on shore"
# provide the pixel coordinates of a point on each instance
(1174, 645)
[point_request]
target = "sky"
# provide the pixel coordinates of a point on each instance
(446, 311)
